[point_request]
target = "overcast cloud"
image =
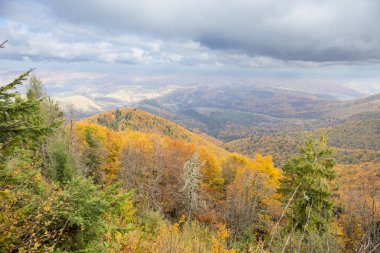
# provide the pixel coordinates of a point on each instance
(302, 30)
(265, 37)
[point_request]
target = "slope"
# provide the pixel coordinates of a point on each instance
(126, 119)
(355, 141)
(369, 107)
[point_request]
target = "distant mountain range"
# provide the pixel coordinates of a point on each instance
(275, 121)
(105, 98)
(213, 108)
(248, 119)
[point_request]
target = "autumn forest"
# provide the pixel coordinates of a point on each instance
(192, 126)
(129, 181)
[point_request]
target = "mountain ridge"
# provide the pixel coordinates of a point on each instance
(124, 119)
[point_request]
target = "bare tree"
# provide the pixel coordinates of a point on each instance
(191, 177)
(143, 172)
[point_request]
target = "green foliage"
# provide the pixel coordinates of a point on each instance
(82, 207)
(128, 116)
(118, 115)
(150, 221)
(39, 216)
(61, 164)
(57, 191)
(23, 198)
(36, 89)
(56, 210)
(20, 119)
(93, 155)
(307, 176)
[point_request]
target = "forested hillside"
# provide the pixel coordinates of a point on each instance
(129, 181)
(191, 126)
(355, 141)
(275, 121)
(133, 119)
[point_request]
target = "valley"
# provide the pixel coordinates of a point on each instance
(275, 121)
(128, 180)
(199, 126)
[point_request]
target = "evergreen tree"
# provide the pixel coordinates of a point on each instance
(93, 156)
(50, 112)
(37, 214)
(306, 176)
(36, 88)
(20, 123)
(61, 165)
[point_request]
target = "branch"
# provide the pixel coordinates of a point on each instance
(2, 45)
(282, 215)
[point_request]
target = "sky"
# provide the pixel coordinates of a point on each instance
(92, 48)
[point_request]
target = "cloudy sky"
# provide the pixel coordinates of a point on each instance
(82, 46)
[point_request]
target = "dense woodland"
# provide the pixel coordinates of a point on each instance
(275, 121)
(128, 181)
(355, 147)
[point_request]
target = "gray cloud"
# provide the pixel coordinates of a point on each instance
(196, 31)
(288, 30)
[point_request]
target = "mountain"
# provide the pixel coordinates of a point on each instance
(354, 142)
(219, 110)
(245, 98)
(368, 107)
(249, 119)
(125, 119)
(228, 113)
(274, 121)
(81, 104)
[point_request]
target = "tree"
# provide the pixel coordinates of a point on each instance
(57, 211)
(212, 179)
(62, 161)
(230, 165)
(56, 156)
(191, 177)
(50, 112)
(94, 156)
(36, 88)
(251, 199)
(19, 118)
(23, 124)
(307, 176)
(113, 145)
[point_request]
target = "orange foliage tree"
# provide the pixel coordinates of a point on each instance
(251, 198)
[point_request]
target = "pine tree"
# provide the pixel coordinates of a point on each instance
(36, 88)
(50, 113)
(93, 156)
(20, 123)
(61, 164)
(307, 177)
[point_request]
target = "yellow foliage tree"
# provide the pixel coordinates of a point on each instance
(219, 240)
(212, 180)
(251, 200)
